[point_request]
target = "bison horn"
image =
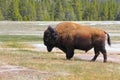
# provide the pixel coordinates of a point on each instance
(51, 29)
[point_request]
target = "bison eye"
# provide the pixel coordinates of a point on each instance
(47, 38)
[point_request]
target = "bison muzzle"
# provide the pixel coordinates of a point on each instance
(69, 36)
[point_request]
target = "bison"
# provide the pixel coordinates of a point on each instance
(69, 36)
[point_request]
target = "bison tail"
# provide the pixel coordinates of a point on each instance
(108, 39)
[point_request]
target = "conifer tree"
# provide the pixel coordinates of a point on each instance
(51, 12)
(27, 9)
(59, 10)
(23, 9)
(1, 16)
(86, 10)
(94, 10)
(38, 11)
(31, 10)
(112, 10)
(69, 12)
(4, 8)
(77, 5)
(105, 11)
(58, 13)
(117, 15)
(45, 11)
(13, 11)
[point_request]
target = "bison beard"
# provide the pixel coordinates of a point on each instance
(69, 36)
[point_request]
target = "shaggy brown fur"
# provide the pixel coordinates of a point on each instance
(69, 36)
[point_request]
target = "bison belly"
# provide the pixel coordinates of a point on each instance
(83, 44)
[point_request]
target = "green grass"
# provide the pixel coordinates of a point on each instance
(19, 41)
(20, 38)
(15, 45)
(62, 69)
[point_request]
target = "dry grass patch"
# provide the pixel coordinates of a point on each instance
(61, 68)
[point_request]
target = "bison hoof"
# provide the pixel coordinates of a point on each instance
(93, 60)
(104, 61)
(68, 58)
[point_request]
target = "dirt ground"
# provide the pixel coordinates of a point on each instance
(111, 57)
(11, 72)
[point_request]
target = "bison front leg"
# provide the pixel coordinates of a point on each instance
(69, 53)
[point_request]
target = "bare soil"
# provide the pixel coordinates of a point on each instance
(112, 57)
(11, 72)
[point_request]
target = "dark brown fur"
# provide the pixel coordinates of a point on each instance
(68, 36)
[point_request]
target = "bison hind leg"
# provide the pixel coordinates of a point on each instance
(103, 50)
(96, 51)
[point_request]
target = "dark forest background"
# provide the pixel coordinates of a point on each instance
(60, 10)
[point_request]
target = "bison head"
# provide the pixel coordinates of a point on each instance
(50, 38)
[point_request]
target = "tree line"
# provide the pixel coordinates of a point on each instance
(59, 10)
